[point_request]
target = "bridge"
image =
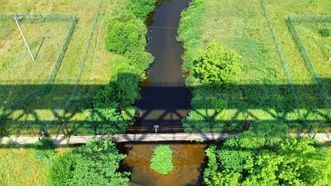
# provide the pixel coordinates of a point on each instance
(150, 137)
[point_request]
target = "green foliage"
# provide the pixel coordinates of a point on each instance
(96, 163)
(190, 31)
(126, 35)
(141, 61)
(161, 161)
(215, 65)
(44, 149)
(141, 8)
(112, 110)
(265, 155)
(325, 32)
(62, 170)
(3, 120)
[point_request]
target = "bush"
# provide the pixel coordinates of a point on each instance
(265, 155)
(95, 163)
(141, 61)
(161, 161)
(141, 8)
(125, 36)
(325, 32)
(112, 109)
(3, 120)
(62, 170)
(3, 130)
(215, 65)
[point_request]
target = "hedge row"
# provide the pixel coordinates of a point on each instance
(112, 108)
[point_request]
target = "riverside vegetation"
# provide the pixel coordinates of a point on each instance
(162, 158)
(254, 95)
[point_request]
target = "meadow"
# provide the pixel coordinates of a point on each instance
(273, 85)
(26, 103)
(20, 166)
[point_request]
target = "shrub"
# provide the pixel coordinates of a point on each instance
(3, 130)
(95, 163)
(141, 61)
(265, 155)
(62, 170)
(125, 36)
(325, 32)
(141, 8)
(161, 161)
(3, 120)
(112, 108)
(215, 65)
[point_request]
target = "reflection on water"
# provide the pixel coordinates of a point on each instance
(188, 160)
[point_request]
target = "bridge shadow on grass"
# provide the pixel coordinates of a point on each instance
(162, 104)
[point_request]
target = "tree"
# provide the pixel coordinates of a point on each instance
(215, 65)
(95, 163)
(141, 8)
(112, 108)
(126, 35)
(266, 155)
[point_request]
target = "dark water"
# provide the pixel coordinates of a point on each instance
(188, 161)
(165, 99)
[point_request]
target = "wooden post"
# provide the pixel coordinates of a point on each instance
(25, 41)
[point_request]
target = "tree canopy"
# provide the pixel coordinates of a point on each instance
(267, 156)
(216, 65)
(95, 163)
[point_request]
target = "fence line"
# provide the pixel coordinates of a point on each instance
(311, 19)
(42, 18)
(82, 65)
(306, 58)
(284, 64)
(64, 48)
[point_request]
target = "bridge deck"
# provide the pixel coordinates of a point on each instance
(166, 137)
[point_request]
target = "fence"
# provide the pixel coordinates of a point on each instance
(284, 64)
(38, 18)
(306, 58)
(82, 65)
(311, 19)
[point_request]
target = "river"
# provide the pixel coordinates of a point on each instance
(165, 101)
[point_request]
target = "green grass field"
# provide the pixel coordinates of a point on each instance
(262, 90)
(20, 76)
(20, 167)
(297, 68)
